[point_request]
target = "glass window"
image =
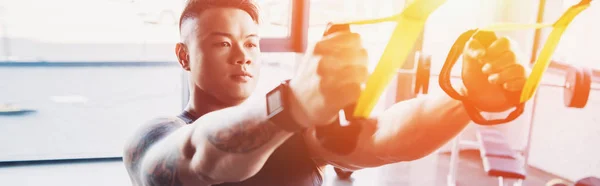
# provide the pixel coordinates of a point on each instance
(276, 18)
(111, 68)
(106, 30)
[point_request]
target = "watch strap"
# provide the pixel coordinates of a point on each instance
(278, 109)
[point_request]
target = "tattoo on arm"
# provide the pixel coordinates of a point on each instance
(244, 137)
(164, 172)
(134, 154)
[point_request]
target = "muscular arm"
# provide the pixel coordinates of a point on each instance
(228, 145)
(406, 131)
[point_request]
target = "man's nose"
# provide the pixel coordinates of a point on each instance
(241, 57)
(243, 61)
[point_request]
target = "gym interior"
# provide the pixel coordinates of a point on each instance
(77, 77)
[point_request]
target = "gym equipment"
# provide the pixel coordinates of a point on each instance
(342, 139)
(578, 84)
(498, 159)
(588, 181)
(342, 174)
(494, 144)
(504, 168)
(486, 37)
(409, 25)
(422, 72)
(557, 182)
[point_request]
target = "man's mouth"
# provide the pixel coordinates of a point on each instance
(242, 77)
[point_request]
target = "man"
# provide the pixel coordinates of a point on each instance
(223, 138)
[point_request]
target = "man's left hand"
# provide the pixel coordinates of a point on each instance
(493, 77)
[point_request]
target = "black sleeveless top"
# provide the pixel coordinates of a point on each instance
(289, 165)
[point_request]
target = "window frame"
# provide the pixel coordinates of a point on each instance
(298, 35)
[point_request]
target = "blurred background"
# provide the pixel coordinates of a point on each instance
(77, 77)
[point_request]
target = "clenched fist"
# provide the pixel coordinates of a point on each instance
(492, 74)
(329, 78)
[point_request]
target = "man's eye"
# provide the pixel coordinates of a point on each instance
(222, 44)
(251, 45)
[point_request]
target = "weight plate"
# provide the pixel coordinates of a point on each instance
(417, 79)
(571, 80)
(577, 87)
(426, 73)
(583, 94)
(423, 72)
(342, 174)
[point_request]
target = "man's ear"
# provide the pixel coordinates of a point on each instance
(182, 56)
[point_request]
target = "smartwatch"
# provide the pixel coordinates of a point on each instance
(278, 109)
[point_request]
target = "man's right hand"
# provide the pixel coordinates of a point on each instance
(330, 78)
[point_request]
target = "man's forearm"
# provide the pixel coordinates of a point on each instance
(233, 144)
(227, 145)
(414, 128)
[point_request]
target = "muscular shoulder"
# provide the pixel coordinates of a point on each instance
(144, 137)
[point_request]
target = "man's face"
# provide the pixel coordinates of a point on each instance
(223, 48)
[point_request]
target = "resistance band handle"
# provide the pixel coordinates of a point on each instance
(340, 139)
(485, 38)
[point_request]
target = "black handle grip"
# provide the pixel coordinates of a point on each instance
(485, 38)
(340, 139)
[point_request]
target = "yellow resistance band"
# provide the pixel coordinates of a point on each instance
(410, 24)
(542, 62)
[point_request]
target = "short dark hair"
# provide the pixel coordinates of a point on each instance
(193, 8)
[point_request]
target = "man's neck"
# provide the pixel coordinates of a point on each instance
(202, 102)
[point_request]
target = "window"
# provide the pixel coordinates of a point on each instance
(120, 30)
(94, 70)
(275, 18)
(77, 30)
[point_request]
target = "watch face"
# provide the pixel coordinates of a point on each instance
(274, 103)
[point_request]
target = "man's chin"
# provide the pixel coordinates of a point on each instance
(236, 92)
(238, 96)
